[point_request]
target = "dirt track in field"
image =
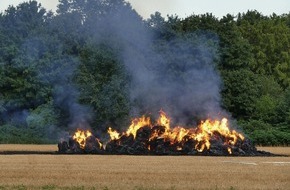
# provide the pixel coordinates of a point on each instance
(141, 172)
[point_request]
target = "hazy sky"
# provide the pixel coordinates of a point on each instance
(185, 8)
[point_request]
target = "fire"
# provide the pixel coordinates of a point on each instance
(80, 136)
(159, 137)
(208, 128)
(229, 150)
(113, 134)
(177, 134)
(201, 136)
(136, 124)
(163, 120)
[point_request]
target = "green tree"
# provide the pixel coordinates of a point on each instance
(240, 92)
(103, 84)
(269, 37)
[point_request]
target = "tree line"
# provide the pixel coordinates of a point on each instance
(56, 69)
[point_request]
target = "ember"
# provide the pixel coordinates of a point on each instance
(211, 137)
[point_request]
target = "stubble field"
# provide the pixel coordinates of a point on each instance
(50, 171)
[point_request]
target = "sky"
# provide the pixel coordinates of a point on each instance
(184, 8)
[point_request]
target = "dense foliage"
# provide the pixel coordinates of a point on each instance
(65, 69)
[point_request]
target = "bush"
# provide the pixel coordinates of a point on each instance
(39, 128)
(264, 134)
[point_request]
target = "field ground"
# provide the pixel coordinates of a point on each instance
(37, 171)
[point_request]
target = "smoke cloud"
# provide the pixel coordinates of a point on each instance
(178, 75)
(175, 74)
(59, 75)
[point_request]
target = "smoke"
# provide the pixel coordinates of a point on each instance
(177, 75)
(59, 75)
(53, 77)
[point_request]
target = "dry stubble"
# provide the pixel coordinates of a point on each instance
(153, 172)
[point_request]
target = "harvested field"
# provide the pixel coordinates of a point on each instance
(27, 171)
(27, 147)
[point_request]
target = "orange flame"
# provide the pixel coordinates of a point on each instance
(81, 136)
(113, 134)
(201, 135)
(229, 150)
(163, 120)
(207, 129)
(175, 135)
(136, 124)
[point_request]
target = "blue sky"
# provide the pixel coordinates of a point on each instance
(184, 8)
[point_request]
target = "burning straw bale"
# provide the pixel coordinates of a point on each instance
(146, 138)
(81, 142)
